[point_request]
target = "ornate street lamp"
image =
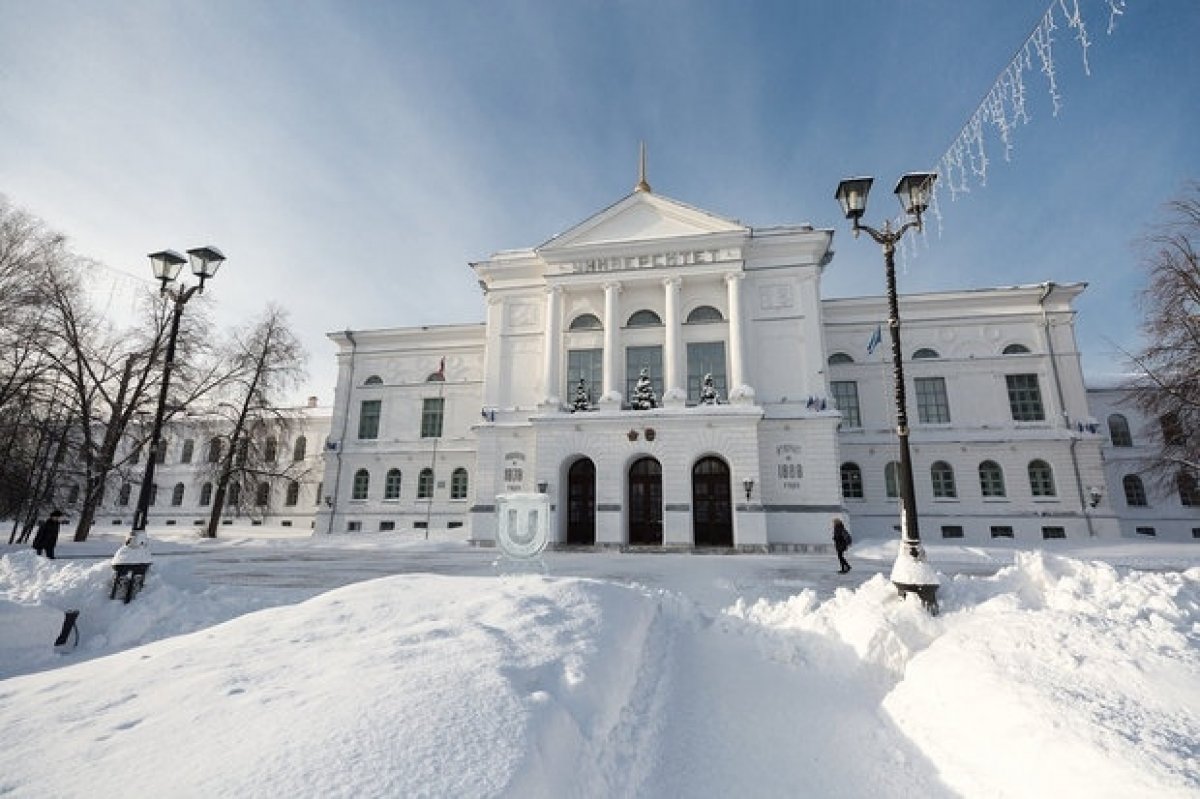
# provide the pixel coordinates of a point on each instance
(911, 571)
(133, 559)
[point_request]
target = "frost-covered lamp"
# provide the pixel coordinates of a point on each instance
(166, 265)
(205, 262)
(913, 190)
(852, 194)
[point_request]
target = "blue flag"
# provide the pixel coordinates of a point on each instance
(876, 338)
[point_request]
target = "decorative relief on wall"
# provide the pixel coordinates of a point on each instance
(790, 470)
(776, 296)
(523, 313)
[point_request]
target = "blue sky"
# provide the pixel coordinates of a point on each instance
(350, 158)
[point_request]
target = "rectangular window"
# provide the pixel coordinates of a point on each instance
(1196, 532)
(845, 398)
(932, 405)
(385, 527)
(1146, 531)
(353, 527)
(368, 418)
(637, 359)
(952, 531)
(1025, 398)
(1002, 531)
(1054, 532)
(588, 366)
(431, 417)
(706, 358)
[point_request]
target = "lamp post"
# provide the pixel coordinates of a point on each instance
(911, 572)
(205, 262)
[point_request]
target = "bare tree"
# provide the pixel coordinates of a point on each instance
(1168, 384)
(267, 360)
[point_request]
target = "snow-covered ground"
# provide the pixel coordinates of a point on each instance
(384, 667)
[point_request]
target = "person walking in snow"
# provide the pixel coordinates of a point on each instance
(47, 535)
(841, 542)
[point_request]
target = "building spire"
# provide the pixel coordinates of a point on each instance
(642, 185)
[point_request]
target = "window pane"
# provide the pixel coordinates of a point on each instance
(1118, 430)
(1025, 398)
(458, 484)
(845, 398)
(362, 483)
(1135, 491)
(638, 358)
(588, 366)
(431, 417)
(391, 485)
(991, 479)
(852, 485)
(425, 484)
(932, 405)
(1041, 479)
(368, 418)
(942, 476)
(704, 358)
(891, 479)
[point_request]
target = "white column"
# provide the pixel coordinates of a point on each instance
(674, 393)
(553, 347)
(612, 343)
(738, 390)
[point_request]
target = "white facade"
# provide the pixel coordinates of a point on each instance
(1146, 507)
(430, 425)
(288, 440)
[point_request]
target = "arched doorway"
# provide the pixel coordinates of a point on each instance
(581, 503)
(712, 507)
(645, 503)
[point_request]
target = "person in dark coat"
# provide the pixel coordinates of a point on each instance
(47, 535)
(841, 542)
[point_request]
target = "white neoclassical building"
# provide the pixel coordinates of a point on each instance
(431, 424)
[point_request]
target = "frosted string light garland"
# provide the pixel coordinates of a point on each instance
(1003, 108)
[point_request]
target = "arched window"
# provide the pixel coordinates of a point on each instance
(214, 450)
(941, 475)
(123, 494)
(206, 495)
(839, 357)
(704, 313)
(891, 479)
(293, 494)
(262, 494)
(925, 353)
(391, 484)
(586, 321)
(362, 482)
(991, 479)
(1118, 431)
(425, 484)
(852, 484)
(234, 498)
(189, 447)
(1016, 349)
(1189, 492)
(73, 494)
(177, 495)
(1041, 479)
(161, 452)
(270, 449)
(458, 484)
(1135, 491)
(373, 380)
(300, 449)
(644, 318)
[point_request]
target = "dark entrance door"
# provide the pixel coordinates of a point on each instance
(645, 503)
(712, 508)
(581, 503)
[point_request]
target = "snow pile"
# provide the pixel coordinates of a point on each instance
(1053, 677)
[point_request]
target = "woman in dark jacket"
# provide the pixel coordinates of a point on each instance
(47, 535)
(841, 542)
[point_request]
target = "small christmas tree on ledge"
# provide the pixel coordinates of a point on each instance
(581, 401)
(643, 393)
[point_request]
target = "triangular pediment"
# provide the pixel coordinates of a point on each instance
(641, 217)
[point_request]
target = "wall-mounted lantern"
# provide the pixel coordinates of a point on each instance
(748, 484)
(649, 433)
(632, 435)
